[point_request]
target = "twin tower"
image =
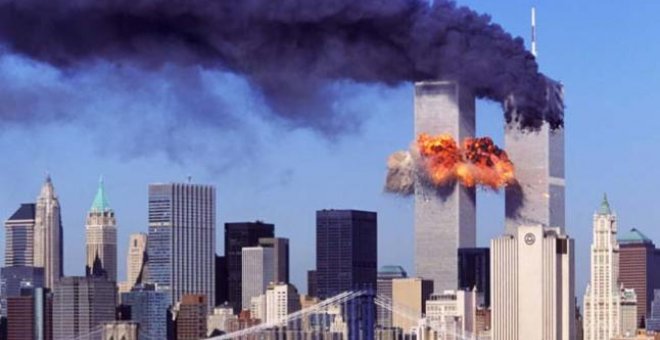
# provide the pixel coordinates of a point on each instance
(445, 218)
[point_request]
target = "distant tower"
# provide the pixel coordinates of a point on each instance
(101, 232)
(48, 234)
(445, 218)
(258, 271)
(19, 237)
(539, 160)
(135, 261)
(602, 300)
(181, 241)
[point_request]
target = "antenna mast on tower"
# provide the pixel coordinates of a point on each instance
(534, 31)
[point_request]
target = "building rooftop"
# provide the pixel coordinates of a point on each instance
(25, 212)
(100, 203)
(605, 207)
(392, 271)
(634, 236)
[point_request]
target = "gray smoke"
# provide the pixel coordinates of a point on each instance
(290, 51)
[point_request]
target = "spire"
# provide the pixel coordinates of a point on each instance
(100, 203)
(47, 190)
(605, 206)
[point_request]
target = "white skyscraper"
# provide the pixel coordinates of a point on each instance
(258, 272)
(137, 249)
(532, 285)
(444, 218)
(48, 234)
(602, 298)
(101, 233)
(281, 300)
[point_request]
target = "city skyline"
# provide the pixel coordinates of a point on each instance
(236, 195)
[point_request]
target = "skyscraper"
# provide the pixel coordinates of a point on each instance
(532, 285)
(101, 232)
(81, 304)
(149, 309)
(445, 217)
(181, 241)
(19, 237)
(602, 300)
(346, 251)
(539, 159)
(29, 315)
(282, 299)
(384, 288)
(410, 294)
(191, 317)
(237, 236)
(653, 317)
(258, 271)
(136, 259)
(474, 271)
(639, 268)
(48, 234)
(280, 247)
(15, 277)
(220, 280)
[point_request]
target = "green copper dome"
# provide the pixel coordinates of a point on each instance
(634, 236)
(100, 201)
(605, 207)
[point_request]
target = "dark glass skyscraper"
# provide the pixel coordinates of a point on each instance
(474, 270)
(237, 236)
(19, 237)
(181, 241)
(346, 251)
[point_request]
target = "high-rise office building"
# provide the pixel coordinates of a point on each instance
(639, 268)
(628, 314)
(148, 307)
(13, 278)
(455, 311)
(136, 259)
(653, 317)
(312, 287)
(602, 300)
(48, 234)
(237, 236)
(181, 241)
(346, 251)
(280, 247)
(258, 271)
(29, 315)
(445, 218)
(474, 271)
(19, 237)
(532, 285)
(410, 294)
(101, 233)
(82, 304)
(191, 314)
(538, 198)
(384, 288)
(220, 280)
(282, 299)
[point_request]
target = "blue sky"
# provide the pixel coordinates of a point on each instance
(604, 53)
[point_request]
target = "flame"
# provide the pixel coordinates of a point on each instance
(477, 162)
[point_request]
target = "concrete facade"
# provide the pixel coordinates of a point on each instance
(445, 218)
(410, 295)
(48, 235)
(258, 272)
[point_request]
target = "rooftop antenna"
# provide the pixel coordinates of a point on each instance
(534, 31)
(189, 179)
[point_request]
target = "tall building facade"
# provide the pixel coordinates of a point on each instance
(258, 271)
(455, 310)
(532, 285)
(346, 251)
(149, 309)
(445, 218)
(410, 294)
(653, 319)
(237, 236)
(282, 299)
(538, 198)
(191, 314)
(639, 268)
(220, 280)
(474, 271)
(101, 233)
(181, 241)
(82, 304)
(12, 279)
(19, 237)
(280, 247)
(602, 300)
(29, 315)
(48, 251)
(384, 288)
(628, 313)
(137, 259)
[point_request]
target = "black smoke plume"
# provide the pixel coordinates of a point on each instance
(291, 51)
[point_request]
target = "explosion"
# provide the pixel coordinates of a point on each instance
(439, 161)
